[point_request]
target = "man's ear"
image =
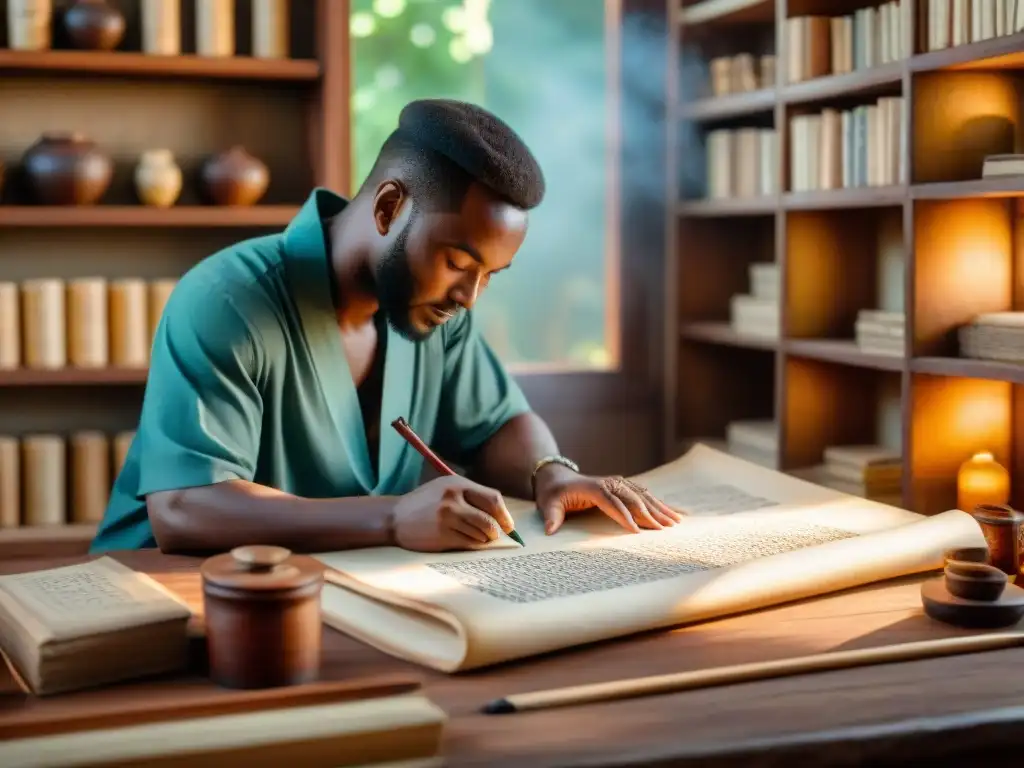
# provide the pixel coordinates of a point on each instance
(388, 201)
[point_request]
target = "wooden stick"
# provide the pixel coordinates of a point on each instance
(743, 673)
(199, 701)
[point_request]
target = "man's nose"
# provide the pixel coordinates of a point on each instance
(467, 292)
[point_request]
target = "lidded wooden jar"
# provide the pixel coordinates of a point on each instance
(262, 615)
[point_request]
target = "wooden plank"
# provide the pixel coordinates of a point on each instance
(727, 11)
(49, 541)
(145, 216)
(732, 105)
(969, 368)
(723, 333)
(199, 701)
(847, 198)
(876, 81)
(994, 186)
(64, 377)
(140, 65)
(729, 206)
(333, 129)
(844, 352)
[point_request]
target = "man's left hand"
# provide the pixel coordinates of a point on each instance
(561, 491)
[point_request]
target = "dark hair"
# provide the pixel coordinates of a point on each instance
(441, 146)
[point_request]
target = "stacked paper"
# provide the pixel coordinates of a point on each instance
(880, 333)
(994, 336)
(754, 440)
(870, 471)
(757, 313)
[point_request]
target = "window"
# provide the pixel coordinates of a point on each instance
(540, 65)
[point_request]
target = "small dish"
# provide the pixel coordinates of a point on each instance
(967, 555)
(974, 581)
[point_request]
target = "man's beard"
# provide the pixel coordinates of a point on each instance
(395, 287)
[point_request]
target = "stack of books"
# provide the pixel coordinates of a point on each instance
(741, 163)
(872, 472)
(994, 336)
(754, 440)
(758, 313)
(880, 333)
(741, 74)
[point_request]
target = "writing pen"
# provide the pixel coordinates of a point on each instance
(402, 427)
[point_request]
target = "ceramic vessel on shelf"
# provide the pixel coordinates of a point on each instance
(66, 169)
(94, 25)
(158, 178)
(234, 177)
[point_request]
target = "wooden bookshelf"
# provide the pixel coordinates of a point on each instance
(291, 113)
(932, 239)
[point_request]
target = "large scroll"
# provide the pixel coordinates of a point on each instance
(753, 538)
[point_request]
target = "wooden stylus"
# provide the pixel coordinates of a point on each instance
(403, 428)
(743, 673)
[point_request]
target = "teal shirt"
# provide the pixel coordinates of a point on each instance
(248, 380)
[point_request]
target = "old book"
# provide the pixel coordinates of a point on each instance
(753, 537)
(862, 456)
(1002, 165)
(91, 624)
(379, 731)
(764, 280)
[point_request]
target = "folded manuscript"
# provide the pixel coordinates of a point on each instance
(402, 730)
(91, 624)
(754, 538)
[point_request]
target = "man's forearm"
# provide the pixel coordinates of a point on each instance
(506, 461)
(234, 513)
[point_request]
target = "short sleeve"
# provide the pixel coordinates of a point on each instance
(202, 410)
(478, 395)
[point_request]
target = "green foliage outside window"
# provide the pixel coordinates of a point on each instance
(539, 65)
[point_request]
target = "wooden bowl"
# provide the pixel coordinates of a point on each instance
(974, 581)
(967, 555)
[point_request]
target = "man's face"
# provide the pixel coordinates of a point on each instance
(439, 263)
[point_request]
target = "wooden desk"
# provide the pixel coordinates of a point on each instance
(939, 710)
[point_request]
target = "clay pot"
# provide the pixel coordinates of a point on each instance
(94, 25)
(66, 169)
(158, 178)
(234, 177)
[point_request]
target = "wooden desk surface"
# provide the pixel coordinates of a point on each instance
(938, 709)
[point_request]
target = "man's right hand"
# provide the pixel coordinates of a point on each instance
(449, 513)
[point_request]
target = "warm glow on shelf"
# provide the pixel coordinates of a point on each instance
(964, 259)
(958, 119)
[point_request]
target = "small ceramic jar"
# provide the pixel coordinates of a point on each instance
(94, 25)
(234, 177)
(158, 178)
(262, 613)
(66, 169)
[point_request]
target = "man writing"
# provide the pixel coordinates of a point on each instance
(280, 362)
